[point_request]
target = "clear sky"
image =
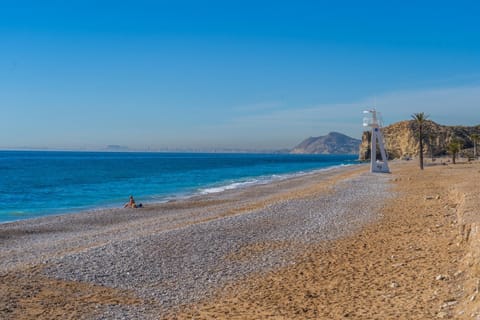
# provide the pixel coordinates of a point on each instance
(239, 74)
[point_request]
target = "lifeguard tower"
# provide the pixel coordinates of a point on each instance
(374, 122)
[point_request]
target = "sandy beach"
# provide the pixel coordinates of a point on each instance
(342, 243)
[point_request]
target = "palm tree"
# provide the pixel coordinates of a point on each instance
(474, 137)
(420, 119)
(454, 148)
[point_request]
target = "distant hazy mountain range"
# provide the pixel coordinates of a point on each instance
(332, 143)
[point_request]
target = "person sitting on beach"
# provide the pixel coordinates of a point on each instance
(131, 203)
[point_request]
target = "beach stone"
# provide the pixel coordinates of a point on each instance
(458, 273)
(449, 304)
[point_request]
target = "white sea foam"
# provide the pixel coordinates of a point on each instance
(234, 185)
(263, 180)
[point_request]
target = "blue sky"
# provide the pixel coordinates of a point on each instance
(229, 74)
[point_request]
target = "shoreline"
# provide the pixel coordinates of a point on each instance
(66, 251)
(104, 223)
(201, 191)
(336, 244)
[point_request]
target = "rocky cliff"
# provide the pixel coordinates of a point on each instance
(401, 139)
(332, 143)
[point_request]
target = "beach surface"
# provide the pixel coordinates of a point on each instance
(338, 244)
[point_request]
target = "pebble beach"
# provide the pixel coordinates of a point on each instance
(222, 255)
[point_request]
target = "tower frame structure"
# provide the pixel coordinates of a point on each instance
(374, 122)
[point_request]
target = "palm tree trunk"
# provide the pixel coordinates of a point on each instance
(420, 120)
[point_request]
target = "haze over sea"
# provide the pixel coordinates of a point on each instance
(38, 183)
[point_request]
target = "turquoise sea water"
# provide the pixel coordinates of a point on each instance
(38, 183)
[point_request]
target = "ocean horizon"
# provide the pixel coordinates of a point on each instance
(40, 183)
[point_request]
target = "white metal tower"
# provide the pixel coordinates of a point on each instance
(377, 137)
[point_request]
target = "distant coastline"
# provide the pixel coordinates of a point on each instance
(150, 150)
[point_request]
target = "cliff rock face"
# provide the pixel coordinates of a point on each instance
(332, 143)
(401, 139)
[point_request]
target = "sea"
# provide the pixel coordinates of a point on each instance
(40, 183)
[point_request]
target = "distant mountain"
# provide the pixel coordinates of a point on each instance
(332, 143)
